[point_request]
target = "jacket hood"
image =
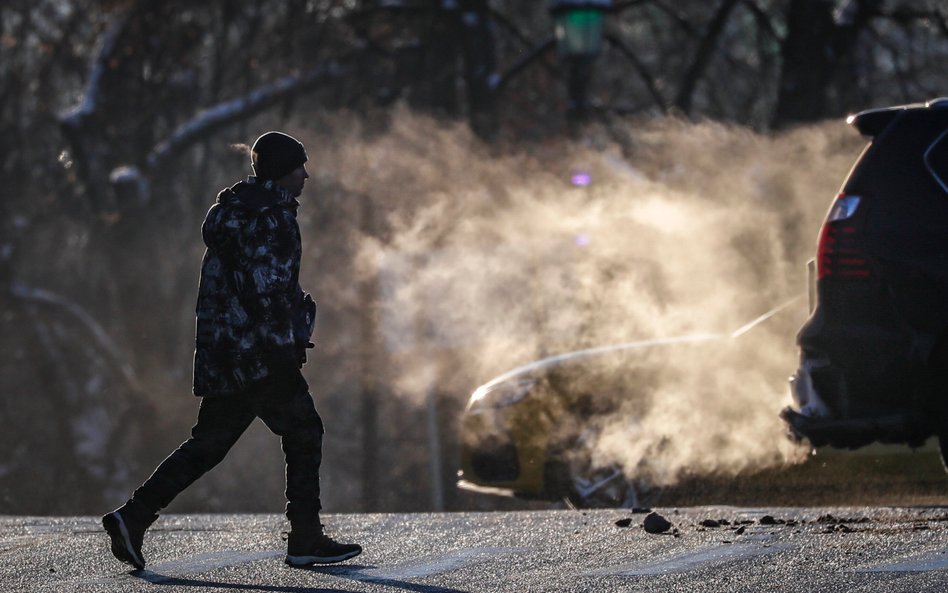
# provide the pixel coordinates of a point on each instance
(237, 205)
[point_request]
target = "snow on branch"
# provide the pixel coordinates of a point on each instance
(74, 117)
(228, 112)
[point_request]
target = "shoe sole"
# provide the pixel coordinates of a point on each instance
(122, 547)
(311, 560)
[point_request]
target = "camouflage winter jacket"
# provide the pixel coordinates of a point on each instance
(253, 319)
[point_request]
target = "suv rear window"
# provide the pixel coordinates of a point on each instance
(936, 160)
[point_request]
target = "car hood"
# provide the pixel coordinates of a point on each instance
(538, 366)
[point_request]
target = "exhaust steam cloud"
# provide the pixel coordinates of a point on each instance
(487, 259)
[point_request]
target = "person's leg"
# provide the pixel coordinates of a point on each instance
(288, 410)
(220, 423)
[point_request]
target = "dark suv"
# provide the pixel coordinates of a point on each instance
(874, 351)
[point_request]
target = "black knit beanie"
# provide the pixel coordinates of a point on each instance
(276, 154)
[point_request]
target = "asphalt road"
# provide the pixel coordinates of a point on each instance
(706, 549)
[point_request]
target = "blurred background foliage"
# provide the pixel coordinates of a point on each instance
(117, 119)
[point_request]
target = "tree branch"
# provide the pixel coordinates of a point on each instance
(703, 56)
(228, 112)
(904, 15)
(762, 18)
(95, 329)
(76, 116)
(620, 6)
(497, 82)
(73, 121)
(503, 21)
(643, 72)
(679, 19)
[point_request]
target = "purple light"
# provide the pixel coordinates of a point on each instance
(582, 240)
(580, 179)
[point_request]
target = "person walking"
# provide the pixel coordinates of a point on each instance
(254, 326)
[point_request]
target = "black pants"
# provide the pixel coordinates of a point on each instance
(286, 407)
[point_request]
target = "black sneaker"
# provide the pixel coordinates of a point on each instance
(126, 528)
(315, 547)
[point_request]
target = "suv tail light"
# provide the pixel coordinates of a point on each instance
(840, 252)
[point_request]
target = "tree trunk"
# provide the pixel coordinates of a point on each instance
(807, 63)
(703, 56)
(815, 45)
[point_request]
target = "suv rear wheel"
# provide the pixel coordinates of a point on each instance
(938, 362)
(943, 446)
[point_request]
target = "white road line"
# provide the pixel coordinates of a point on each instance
(931, 561)
(692, 560)
(211, 561)
(173, 569)
(433, 565)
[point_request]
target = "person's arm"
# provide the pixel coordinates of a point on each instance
(271, 250)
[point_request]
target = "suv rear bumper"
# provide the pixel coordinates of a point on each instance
(856, 432)
(844, 423)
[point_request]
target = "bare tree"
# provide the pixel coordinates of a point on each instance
(117, 117)
(821, 59)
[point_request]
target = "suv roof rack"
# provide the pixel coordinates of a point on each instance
(939, 103)
(871, 122)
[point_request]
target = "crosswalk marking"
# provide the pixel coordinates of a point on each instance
(442, 563)
(204, 562)
(692, 560)
(931, 561)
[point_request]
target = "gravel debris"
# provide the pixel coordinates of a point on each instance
(655, 523)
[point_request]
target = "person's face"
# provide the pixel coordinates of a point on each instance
(294, 180)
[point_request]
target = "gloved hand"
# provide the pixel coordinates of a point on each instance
(301, 353)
